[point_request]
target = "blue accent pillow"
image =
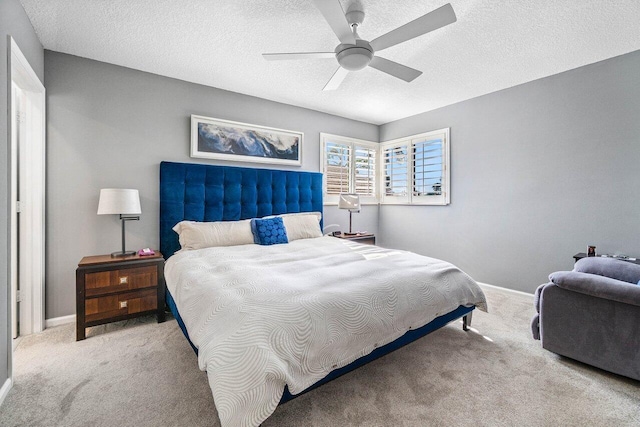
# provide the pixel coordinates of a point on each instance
(269, 231)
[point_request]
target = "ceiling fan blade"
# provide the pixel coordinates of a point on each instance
(334, 15)
(393, 68)
(336, 79)
(426, 23)
(298, 55)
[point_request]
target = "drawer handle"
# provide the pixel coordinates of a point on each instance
(123, 304)
(124, 280)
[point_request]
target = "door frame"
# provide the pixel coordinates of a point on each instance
(32, 210)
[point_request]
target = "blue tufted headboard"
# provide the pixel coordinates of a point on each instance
(224, 193)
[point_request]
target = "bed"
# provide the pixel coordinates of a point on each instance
(270, 323)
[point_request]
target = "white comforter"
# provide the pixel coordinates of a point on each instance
(264, 317)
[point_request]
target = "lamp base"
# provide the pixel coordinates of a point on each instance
(122, 254)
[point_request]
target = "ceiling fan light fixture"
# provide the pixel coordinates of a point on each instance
(354, 58)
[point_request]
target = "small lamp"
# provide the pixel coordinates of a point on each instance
(123, 202)
(350, 202)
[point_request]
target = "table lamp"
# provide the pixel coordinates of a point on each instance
(123, 202)
(351, 202)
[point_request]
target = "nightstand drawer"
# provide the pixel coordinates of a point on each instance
(369, 240)
(121, 304)
(107, 282)
(364, 238)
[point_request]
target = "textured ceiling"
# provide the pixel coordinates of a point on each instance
(495, 44)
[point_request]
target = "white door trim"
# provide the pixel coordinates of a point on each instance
(32, 176)
(13, 215)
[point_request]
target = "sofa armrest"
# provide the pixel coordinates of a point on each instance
(597, 286)
(536, 297)
(609, 267)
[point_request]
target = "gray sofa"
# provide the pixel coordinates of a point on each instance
(592, 314)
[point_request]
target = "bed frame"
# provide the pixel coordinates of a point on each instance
(224, 193)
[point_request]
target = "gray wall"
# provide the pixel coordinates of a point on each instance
(539, 171)
(110, 126)
(14, 23)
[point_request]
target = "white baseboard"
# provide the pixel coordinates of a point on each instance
(5, 390)
(526, 294)
(57, 321)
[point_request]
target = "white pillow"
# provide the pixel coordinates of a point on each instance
(303, 225)
(198, 235)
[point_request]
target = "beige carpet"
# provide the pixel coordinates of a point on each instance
(139, 373)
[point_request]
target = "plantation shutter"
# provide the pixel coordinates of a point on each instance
(365, 170)
(395, 171)
(428, 166)
(338, 158)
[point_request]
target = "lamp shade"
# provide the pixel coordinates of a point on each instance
(349, 201)
(119, 201)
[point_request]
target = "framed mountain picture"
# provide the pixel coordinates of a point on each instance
(226, 140)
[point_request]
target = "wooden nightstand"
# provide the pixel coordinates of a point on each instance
(365, 238)
(112, 289)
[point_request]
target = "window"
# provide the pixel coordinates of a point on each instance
(416, 169)
(348, 166)
(365, 170)
(395, 172)
(337, 168)
(411, 170)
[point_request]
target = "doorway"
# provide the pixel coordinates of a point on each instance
(27, 217)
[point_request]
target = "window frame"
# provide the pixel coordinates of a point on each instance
(408, 142)
(332, 199)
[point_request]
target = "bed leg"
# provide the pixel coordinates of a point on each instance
(466, 321)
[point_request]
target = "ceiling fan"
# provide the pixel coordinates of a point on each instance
(354, 53)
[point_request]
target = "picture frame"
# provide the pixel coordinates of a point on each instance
(221, 139)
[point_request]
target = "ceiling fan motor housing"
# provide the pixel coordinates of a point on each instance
(354, 57)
